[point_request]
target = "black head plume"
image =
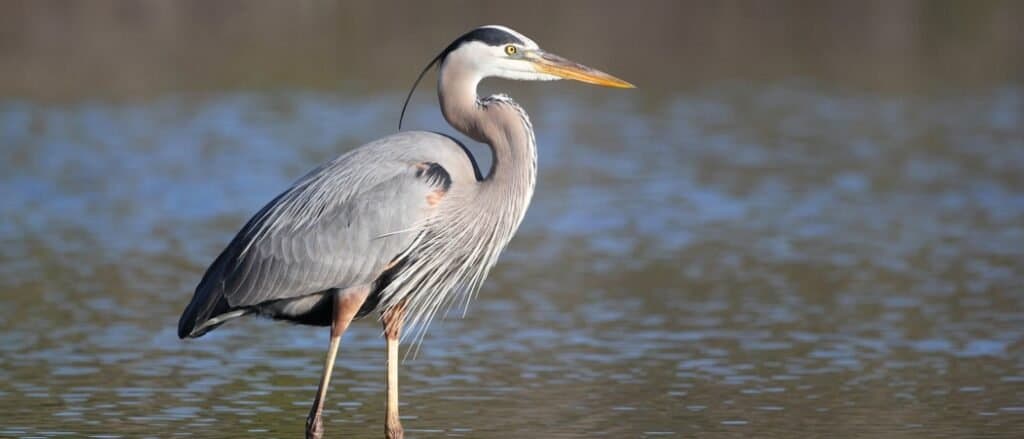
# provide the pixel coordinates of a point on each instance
(413, 90)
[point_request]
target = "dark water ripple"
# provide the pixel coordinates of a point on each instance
(745, 261)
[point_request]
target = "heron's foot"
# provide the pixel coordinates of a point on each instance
(394, 430)
(314, 427)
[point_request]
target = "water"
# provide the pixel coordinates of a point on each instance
(768, 260)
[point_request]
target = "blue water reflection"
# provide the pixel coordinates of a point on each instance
(732, 260)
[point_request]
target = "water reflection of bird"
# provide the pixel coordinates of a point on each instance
(405, 224)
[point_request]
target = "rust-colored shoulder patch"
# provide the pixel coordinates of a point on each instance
(435, 196)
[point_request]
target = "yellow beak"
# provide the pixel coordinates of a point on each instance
(555, 65)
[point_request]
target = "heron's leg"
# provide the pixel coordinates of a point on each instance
(346, 305)
(393, 319)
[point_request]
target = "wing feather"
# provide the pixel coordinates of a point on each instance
(337, 226)
(296, 256)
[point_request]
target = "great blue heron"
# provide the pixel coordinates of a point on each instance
(404, 224)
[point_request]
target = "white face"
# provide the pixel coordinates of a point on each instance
(507, 61)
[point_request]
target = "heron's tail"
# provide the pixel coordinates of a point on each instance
(208, 308)
(201, 316)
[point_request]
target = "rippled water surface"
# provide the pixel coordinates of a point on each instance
(781, 260)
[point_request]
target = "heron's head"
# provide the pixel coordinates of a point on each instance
(497, 51)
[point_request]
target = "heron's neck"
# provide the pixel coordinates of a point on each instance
(496, 121)
(506, 191)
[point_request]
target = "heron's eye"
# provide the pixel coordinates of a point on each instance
(511, 50)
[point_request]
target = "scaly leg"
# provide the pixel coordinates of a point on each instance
(392, 331)
(346, 305)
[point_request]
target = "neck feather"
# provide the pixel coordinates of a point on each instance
(457, 254)
(496, 121)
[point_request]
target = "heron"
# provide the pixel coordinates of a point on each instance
(403, 226)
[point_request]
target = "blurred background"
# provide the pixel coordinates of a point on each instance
(807, 221)
(144, 49)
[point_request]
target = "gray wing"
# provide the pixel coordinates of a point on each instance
(338, 226)
(326, 233)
